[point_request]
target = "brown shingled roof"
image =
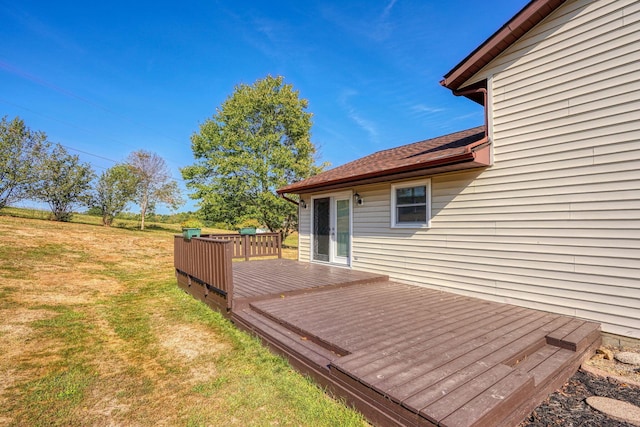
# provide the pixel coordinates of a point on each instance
(460, 150)
(531, 15)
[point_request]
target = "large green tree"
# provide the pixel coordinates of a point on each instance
(20, 153)
(63, 182)
(115, 188)
(154, 182)
(258, 141)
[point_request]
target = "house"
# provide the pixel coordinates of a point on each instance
(540, 206)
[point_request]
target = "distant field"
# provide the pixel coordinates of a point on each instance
(94, 220)
(290, 244)
(94, 331)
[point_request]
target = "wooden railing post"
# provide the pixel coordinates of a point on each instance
(228, 268)
(279, 244)
(246, 247)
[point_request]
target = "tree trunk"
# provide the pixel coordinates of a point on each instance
(143, 210)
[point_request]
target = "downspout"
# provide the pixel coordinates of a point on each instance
(484, 92)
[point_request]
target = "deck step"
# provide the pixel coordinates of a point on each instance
(315, 360)
(274, 332)
(306, 335)
(576, 335)
(550, 367)
(495, 395)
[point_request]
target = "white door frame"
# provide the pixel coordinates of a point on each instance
(333, 240)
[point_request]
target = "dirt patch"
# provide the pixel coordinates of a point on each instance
(614, 367)
(195, 347)
(64, 287)
(190, 342)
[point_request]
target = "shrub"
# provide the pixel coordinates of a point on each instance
(191, 223)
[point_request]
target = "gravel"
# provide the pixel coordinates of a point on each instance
(568, 408)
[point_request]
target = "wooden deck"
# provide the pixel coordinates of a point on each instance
(407, 355)
(268, 278)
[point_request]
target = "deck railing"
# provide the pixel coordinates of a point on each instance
(251, 245)
(203, 264)
(203, 268)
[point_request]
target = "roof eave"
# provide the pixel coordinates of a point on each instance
(470, 159)
(532, 14)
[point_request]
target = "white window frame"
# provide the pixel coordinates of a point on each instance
(409, 184)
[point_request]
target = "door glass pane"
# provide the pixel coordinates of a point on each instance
(321, 229)
(342, 228)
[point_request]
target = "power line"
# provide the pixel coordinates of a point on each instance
(35, 79)
(88, 154)
(76, 127)
(63, 122)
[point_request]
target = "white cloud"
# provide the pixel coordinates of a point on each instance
(366, 125)
(421, 108)
(387, 10)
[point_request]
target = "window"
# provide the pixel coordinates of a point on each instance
(411, 204)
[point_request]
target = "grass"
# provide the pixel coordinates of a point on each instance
(94, 331)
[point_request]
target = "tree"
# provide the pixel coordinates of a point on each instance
(20, 151)
(258, 141)
(154, 182)
(63, 182)
(115, 188)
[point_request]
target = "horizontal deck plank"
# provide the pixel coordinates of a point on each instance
(427, 330)
(410, 380)
(458, 372)
(271, 277)
(490, 405)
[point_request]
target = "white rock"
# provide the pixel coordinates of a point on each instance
(628, 357)
(616, 409)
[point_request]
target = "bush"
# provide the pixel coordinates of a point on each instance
(191, 223)
(248, 223)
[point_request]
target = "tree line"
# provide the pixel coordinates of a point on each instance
(32, 168)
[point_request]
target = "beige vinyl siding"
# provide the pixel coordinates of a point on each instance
(304, 231)
(554, 224)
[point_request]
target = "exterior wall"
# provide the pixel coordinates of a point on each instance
(304, 231)
(554, 224)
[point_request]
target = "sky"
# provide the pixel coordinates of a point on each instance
(107, 78)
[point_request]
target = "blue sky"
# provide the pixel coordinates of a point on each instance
(108, 78)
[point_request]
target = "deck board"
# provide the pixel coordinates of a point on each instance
(403, 375)
(409, 355)
(271, 277)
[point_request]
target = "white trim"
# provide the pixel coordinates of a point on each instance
(332, 244)
(407, 184)
(490, 100)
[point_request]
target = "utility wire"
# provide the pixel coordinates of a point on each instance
(63, 122)
(79, 128)
(35, 79)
